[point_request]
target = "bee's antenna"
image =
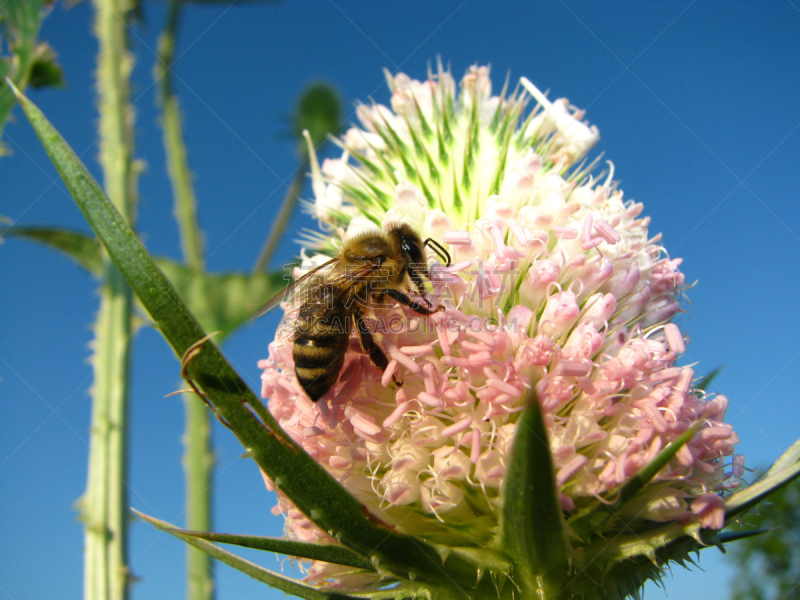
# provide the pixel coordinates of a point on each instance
(439, 250)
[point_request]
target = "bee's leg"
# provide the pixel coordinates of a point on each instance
(376, 355)
(415, 306)
(419, 284)
(377, 298)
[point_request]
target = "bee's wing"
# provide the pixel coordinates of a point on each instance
(310, 298)
(316, 299)
(294, 289)
(341, 283)
(287, 329)
(315, 293)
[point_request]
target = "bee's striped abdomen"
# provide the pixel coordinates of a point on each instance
(318, 354)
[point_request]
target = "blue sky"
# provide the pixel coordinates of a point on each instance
(698, 106)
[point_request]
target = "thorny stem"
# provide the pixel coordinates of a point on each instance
(105, 505)
(198, 458)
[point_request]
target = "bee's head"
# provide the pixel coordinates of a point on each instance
(410, 243)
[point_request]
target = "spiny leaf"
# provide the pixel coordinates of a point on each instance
(772, 481)
(285, 584)
(531, 524)
(324, 552)
(790, 457)
(727, 537)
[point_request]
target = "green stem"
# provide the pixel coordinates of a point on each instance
(198, 464)
(279, 225)
(198, 459)
(177, 162)
(105, 505)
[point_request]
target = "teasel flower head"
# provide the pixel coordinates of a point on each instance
(557, 295)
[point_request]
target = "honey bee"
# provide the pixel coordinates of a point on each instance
(328, 300)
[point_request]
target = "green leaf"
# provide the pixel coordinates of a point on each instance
(623, 563)
(84, 249)
(591, 519)
(768, 566)
(285, 584)
(221, 301)
(532, 524)
(315, 492)
(727, 537)
(790, 457)
(773, 480)
(324, 552)
(706, 380)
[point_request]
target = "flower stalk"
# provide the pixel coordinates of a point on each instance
(104, 506)
(198, 458)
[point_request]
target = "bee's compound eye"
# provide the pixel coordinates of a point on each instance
(414, 252)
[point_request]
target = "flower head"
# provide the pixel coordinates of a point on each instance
(555, 284)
